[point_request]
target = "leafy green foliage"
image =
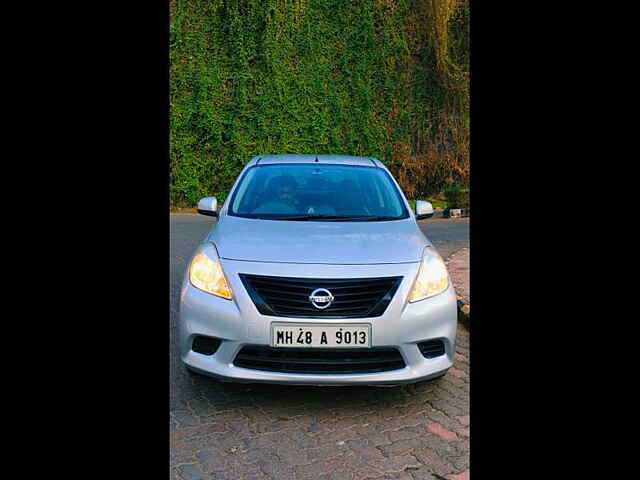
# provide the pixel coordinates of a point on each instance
(252, 77)
(457, 196)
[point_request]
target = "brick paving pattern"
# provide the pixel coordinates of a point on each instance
(458, 266)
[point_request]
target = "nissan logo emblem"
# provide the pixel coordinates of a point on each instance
(321, 298)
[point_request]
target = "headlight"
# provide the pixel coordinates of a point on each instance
(206, 273)
(432, 277)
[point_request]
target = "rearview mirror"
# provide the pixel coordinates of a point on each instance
(208, 206)
(423, 210)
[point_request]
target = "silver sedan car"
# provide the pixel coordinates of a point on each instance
(316, 272)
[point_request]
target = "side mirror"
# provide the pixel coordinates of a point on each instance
(423, 210)
(208, 206)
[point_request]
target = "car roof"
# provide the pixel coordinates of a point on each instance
(333, 159)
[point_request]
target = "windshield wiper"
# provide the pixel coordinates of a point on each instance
(372, 218)
(313, 217)
(337, 218)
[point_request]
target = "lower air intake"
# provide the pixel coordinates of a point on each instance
(319, 361)
(432, 348)
(205, 345)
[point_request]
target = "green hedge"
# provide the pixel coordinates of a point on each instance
(457, 197)
(256, 77)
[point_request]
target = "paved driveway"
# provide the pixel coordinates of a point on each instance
(229, 431)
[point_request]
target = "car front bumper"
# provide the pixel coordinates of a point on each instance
(237, 323)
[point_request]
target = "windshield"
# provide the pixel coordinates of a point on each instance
(317, 192)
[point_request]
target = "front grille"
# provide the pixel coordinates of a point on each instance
(289, 297)
(432, 348)
(318, 360)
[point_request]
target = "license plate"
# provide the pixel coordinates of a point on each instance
(320, 336)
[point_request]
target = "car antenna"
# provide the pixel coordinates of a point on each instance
(316, 158)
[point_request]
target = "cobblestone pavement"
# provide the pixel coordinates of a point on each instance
(458, 266)
(236, 431)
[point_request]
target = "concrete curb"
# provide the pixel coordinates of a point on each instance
(456, 212)
(448, 213)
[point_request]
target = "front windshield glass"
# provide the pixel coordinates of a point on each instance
(317, 192)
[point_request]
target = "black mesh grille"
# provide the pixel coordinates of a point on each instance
(318, 361)
(289, 297)
(432, 348)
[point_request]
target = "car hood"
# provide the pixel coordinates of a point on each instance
(348, 243)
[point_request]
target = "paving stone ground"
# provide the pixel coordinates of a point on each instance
(458, 266)
(236, 431)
